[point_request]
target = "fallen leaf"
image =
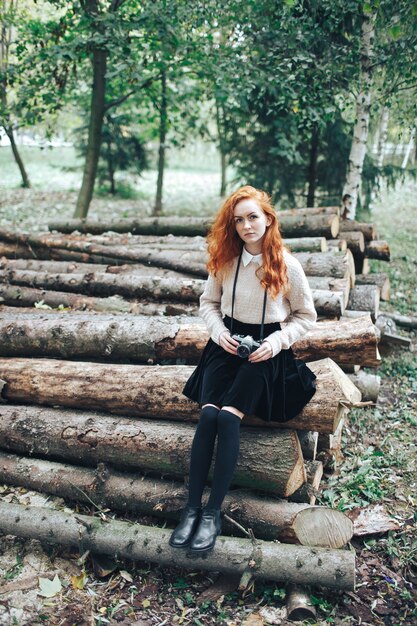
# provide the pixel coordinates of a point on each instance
(49, 588)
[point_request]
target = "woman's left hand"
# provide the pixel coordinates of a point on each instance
(263, 353)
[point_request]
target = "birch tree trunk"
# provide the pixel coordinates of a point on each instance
(363, 106)
(408, 149)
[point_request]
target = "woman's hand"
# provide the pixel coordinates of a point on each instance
(263, 353)
(227, 343)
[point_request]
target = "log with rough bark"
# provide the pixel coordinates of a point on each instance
(378, 249)
(155, 391)
(309, 490)
(354, 240)
(336, 245)
(379, 279)
(368, 384)
(17, 296)
(104, 284)
(269, 519)
(331, 284)
(406, 321)
(72, 267)
(292, 225)
(131, 286)
(364, 298)
(368, 230)
(270, 560)
(269, 460)
(140, 338)
(330, 264)
(191, 262)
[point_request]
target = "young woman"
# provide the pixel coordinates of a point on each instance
(254, 284)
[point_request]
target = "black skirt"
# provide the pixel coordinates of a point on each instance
(275, 390)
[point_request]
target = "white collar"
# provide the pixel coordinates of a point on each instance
(247, 257)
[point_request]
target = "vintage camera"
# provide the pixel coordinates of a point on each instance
(247, 345)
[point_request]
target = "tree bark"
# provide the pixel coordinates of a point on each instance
(103, 284)
(70, 267)
(97, 108)
(292, 225)
(163, 128)
(355, 242)
(141, 339)
(380, 279)
(378, 249)
(270, 519)
(364, 298)
(17, 158)
(368, 384)
(17, 296)
(304, 565)
(368, 230)
(269, 460)
(363, 107)
(129, 286)
(331, 284)
(312, 167)
(154, 392)
(408, 149)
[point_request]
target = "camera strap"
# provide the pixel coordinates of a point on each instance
(233, 300)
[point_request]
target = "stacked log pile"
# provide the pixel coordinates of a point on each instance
(93, 377)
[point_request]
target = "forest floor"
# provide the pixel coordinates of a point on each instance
(379, 466)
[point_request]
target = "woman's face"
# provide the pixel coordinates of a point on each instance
(251, 223)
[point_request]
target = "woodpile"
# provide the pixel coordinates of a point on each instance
(91, 380)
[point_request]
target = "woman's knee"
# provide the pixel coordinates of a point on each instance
(233, 410)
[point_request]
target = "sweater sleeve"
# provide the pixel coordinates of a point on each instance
(210, 310)
(303, 314)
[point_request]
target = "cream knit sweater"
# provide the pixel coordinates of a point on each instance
(296, 309)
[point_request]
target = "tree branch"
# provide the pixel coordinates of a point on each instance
(122, 99)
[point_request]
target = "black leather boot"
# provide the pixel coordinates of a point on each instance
(181, 536)
(205, 536)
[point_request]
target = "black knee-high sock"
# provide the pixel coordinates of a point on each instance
(202, 454)
(228, 442)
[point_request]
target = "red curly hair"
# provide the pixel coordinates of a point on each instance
(224, 244)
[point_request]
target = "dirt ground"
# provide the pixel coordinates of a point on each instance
(378, 466)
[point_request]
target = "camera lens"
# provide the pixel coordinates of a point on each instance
(243, 351)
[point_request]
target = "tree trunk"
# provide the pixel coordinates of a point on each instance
(355, 241)
(269, 460)
(154, 392)
(378, 249)
(408, 149)
(292, 225)
(312, 167)
(222, 149)
(18, 158)
(382, 138)
(98, 95)
(379, 279)
(363, 106)
(368, 230)
(368, 384)
(270, 560)
(364, 298)
(144, 339)
(103, 284)
(331, 284)
(163, 128)
(69, 267)
(326, 302)
(270, 519)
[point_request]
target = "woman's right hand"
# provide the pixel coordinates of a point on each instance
(228, 343)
